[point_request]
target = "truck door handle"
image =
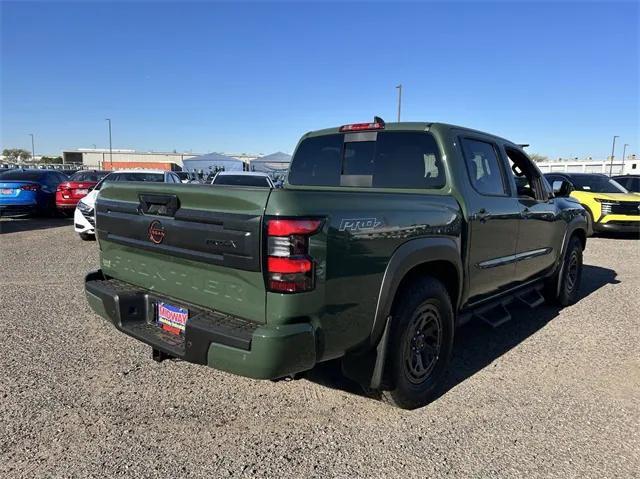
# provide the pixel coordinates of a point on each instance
(482, 215)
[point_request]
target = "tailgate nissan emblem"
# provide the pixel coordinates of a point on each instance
(156, 232)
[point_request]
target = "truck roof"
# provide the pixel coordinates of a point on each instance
(413, 126)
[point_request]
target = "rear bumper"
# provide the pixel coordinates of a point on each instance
(66, 204)
(17, 210)
(223, 342)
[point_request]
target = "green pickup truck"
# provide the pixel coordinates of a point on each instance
(384, 239)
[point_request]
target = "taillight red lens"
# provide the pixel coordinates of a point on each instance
(362, 126)
(288, 265)
(292, 227)
(30, 187)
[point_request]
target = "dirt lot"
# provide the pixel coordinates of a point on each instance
(550, 394)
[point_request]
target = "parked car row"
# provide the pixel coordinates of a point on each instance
(612, 204)
(609, 205)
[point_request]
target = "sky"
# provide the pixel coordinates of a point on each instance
(253, 77)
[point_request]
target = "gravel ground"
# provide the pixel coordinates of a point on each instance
(550, 394)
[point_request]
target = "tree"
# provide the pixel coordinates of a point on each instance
(14, 154)
(538, 158)
(50, 160)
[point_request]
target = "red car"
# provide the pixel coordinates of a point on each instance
(69, 193)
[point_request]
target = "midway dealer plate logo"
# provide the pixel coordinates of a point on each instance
(156, 232)
(172, 318)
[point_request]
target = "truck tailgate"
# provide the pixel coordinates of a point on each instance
(198, 243)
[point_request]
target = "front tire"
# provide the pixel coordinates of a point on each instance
(87, 237)
(569, 276)
(420, 344)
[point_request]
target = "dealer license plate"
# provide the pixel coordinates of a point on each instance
(6, 191)
(82, 192)
(172, 318)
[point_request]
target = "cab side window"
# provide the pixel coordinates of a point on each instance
(483, 167)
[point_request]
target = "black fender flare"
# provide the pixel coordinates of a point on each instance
(409, 255)
(578, 222)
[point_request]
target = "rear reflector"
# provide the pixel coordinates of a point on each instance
(296, 284)
(362, 126)
(292, 227)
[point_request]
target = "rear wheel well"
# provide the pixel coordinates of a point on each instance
(443, 271)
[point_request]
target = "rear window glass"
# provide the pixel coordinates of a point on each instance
(408, 160)
(241, 180)
(23, 175)
(88, 176)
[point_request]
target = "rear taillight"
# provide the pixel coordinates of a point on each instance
(30, 187)
(290, 269)
(65, 190)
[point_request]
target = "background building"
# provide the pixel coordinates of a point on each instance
(629, 166)
(118, 159)
(100, 158)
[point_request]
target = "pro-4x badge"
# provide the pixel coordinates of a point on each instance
(359, 224)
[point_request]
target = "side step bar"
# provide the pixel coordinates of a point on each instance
(494, 316)
(495, 312)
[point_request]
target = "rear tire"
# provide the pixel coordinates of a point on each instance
(87, 237)
(420, 344)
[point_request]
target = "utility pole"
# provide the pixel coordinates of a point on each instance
(399, 87)
(110, 148)
(624, 150)
(33, 148)
(613, 148)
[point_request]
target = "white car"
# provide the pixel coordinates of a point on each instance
(242, 178)
(84, 217)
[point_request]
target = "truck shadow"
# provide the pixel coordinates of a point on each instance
(477, 345)
(17, 225)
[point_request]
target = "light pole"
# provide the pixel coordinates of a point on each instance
(399, 87)
(624, 150)
(110, 148)
(33, 148)
(613, 148)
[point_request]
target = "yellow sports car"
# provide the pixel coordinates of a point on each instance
(609, 205)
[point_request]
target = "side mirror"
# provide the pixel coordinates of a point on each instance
(561, 188)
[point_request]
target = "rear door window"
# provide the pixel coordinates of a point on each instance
(406, 160)
(484, 168)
